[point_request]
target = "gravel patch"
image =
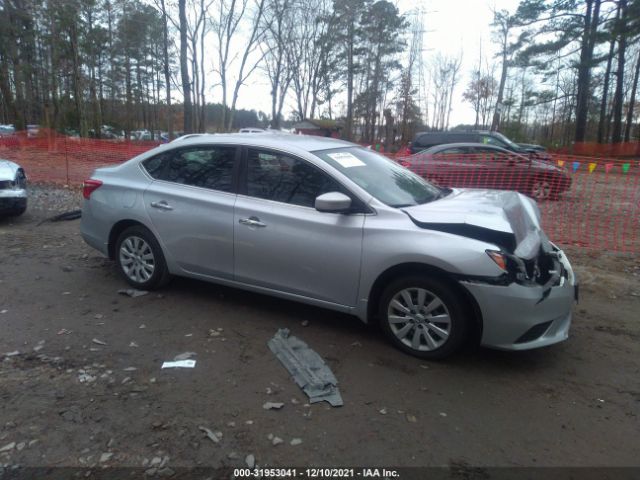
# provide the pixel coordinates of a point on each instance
(54, 199)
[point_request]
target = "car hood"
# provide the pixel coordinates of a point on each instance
(8, 170)
(508, 219)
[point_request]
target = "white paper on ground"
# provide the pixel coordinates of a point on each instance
(180, 364)
(346, 159)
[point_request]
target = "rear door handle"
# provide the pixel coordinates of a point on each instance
(162, 205)
(252, 222)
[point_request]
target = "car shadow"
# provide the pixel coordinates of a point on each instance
(472, 357)
(267, 305)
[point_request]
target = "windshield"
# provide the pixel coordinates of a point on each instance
(382, 178)
(507, 141)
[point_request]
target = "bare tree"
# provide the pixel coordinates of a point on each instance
(278, 29)
(184, 68)
(230, 16)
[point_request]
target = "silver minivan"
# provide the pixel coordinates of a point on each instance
(332, 224)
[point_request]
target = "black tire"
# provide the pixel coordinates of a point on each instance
(542, 184)
(457, 310)
(159, 275)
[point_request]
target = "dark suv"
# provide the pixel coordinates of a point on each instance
(426, 140)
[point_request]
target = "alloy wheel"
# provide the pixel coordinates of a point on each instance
(137, 259)
(541, 189)
(419, 319)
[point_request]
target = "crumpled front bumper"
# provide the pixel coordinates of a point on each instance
(521, 317)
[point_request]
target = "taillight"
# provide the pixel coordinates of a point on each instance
(89, 186)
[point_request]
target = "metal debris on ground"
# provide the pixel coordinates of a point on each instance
(132, 292)
(99, 342)
(273, 405)
(180, 364)
(72, 215)
(213, 436)
(307, 368)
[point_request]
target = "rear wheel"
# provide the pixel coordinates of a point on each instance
(140, 259)
(423, 317)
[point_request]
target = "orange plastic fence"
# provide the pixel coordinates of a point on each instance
(593, 202)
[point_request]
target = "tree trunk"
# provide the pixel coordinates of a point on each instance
(78, 91)
(605, 94)
(584, 67)
(632, 101)
(616, 134)
(348, 128)
(184, 69)
(167, 73)
(495, 123)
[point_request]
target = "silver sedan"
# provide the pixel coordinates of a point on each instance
(332, 224)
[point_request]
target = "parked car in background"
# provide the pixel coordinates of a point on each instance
(425, 140)
(474, 165)
(7, 130)
(532, 147)
(13, 189)
(332, 224)
(251, 130)
(33, 131)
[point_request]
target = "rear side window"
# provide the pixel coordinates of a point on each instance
(155, 165)
(206, 167)
(458, 150)
(281, 178)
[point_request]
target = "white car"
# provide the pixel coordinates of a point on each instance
(13, 189)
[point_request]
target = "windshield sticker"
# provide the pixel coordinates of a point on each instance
(346, 159)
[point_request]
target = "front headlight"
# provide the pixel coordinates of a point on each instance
(499, 258)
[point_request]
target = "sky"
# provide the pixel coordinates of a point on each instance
(453, 28)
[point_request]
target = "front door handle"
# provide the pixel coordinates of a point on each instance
(252, 222)
(162, 205)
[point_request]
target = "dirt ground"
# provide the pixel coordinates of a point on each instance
(81, 384)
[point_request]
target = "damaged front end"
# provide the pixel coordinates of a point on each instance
(508, 220)
(529, 305)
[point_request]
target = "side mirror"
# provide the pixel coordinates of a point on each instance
(333, 202)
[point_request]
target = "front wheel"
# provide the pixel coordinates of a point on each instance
(140, 259)
(423, 317)
(543, 189)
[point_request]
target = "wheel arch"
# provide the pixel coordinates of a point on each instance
(411, 268)
(115, 232)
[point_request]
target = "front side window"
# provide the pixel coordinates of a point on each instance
(380, 177)
(281, 178)
(206, 167)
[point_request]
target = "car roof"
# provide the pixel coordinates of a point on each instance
(446, 146)
(309, 143)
